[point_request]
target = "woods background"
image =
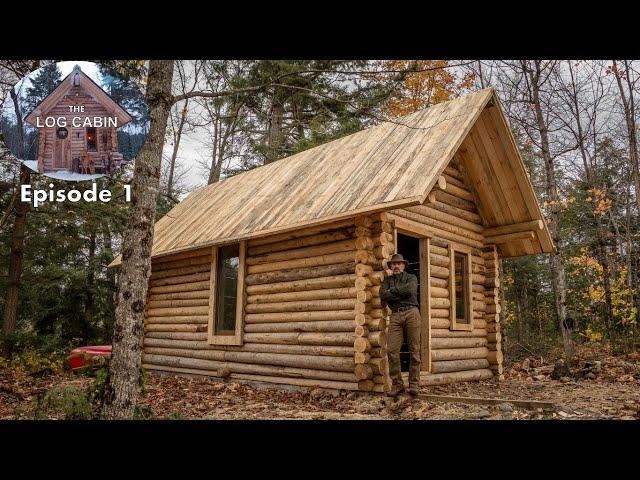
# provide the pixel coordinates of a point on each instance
(574, 121)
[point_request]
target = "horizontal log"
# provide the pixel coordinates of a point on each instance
(233, 367)
(329, 350)
(307, 262)
(188, 319)
(385, 227)
(437, 323)
(183, 287)
(194, 253)
(439, 260)
(157, 267)
(343, 338)
(453, 377)
(441, 225)
(363, 371)
(456, 212)
(193, 277)
(177, 272)
(378, 339)
(378, 365)
(299, 233)
(459, 365)
(439, 282)
(376, 324)
(303, 253)
(339, 364)
(318, 239)
(361, 344)
(459, 353)
(301, 382)
(439, 272)
(510, 237)
(446, 333)
(335, 281)
(494, 337)
(292, 274)
(177, 311)
(495, 357)
(445, 197)
(447, 343)
(299, 316)
(444, 323)
(195, 294)
(361, 331)
(453, 172)
(193, 302)
(440, 303)
(440, 313)
(302, 306)
(437, 292)
(174, 327)
(459, 192)
(361, 357)
(514, 227)
(178, 335)
(320, 294)
(320, 326)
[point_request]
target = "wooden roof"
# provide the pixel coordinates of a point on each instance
(389, 166)
(89, 86)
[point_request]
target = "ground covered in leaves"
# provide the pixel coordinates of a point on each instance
(608, 388)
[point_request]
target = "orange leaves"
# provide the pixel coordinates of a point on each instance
(429, 83)
(601, 203)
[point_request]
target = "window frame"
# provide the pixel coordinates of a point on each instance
(468, 289)
(86, 139)
(238, 337)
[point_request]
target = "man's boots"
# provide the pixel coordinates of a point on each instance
(413, 390)
(395, 390)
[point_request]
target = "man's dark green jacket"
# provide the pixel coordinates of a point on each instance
(400, 290)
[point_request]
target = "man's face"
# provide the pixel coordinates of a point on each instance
(397, 267)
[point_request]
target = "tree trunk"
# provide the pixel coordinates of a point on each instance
(15, 264)
(629, 116)
(10, 315)
(274, 137)
(176, 146)
(121, 389)
(557, 265)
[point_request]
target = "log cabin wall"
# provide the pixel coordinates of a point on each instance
(310, 317)
(450, 218)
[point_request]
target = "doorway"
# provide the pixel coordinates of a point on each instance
(60, 160)
(409, 247)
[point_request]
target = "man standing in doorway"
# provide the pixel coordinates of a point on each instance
(400, 292)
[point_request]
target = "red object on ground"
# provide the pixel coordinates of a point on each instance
(89, 356)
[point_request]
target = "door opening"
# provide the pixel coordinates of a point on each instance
(409, 247)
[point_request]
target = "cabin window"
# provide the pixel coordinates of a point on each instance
(226, 296)
(460, 284)
(92, 140)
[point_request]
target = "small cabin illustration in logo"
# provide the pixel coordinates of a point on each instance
(77, 124)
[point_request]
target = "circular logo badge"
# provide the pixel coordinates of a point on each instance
(75, 120)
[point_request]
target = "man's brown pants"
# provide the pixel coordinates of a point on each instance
(404, 325)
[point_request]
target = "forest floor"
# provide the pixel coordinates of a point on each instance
(611, 390)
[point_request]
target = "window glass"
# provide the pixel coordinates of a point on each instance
(461, 279)
(227, 284)
(91, 139)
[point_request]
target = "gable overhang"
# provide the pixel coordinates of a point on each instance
(498, 180)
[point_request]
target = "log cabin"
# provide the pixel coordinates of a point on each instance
(273, 275)
(77, 125)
